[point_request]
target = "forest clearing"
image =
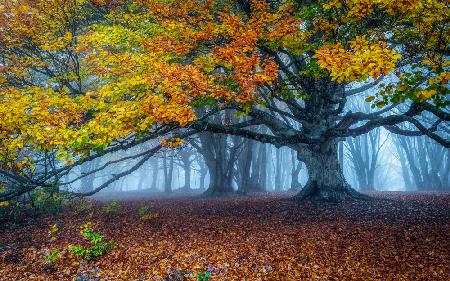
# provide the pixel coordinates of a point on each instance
(395, 236)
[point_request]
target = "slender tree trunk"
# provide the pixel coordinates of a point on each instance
(409, 185)
(295, 172)
(185, 157)
(258, 177)
(142, 176)
(326, 181)
(263, 169)
(203, 169)
(187, 177)
(168, 173)
(87, 182)
(278, 170)
(155, 170)
(203, 174)
(244, 164)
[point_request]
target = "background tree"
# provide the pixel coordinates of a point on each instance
(425, 165)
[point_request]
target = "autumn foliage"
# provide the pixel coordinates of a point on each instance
(79, 75)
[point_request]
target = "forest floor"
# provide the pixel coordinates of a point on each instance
(397, 236)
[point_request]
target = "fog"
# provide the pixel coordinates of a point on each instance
(378, 160)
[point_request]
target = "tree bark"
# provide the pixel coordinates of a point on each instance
(185, 157)
(295, 172)
(278, 170)
(142, 177)
(326, 181)
(187, 178)
(243, 168)
(168, 174)
(155, 169)
(257, 182)
(203, 173)
(219, 180)
(87, 182)
(217, 158)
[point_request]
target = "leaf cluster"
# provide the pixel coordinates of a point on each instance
(98, 246)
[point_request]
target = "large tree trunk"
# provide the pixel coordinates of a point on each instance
(219, 180)
(217, 158)
(326, 181)
(87, 183)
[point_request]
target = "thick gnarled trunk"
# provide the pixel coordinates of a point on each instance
(219, 161)
(220, 180)
(326, 181)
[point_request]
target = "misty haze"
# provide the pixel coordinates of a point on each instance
(234, 140)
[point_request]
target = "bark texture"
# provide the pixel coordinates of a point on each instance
(220, 162)
(326, 181)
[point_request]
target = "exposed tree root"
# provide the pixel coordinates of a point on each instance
(313, 192)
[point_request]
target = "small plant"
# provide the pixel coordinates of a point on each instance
(53, 231)
(51, 257)
(144, 211)
(98, 246)
(49, 199)
(4, 203)
(111, 209)
(147, 215)
(203, 276)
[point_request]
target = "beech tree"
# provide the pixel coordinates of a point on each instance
(338, 44)
(81, 78)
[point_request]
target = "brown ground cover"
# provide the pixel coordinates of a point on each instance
(397, 236)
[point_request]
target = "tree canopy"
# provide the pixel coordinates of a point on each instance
(81, 78)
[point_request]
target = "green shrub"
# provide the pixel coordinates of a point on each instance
(51, 257)
(49, 199)
(147, 215)
(43, 200)
(203, 276)
(144, 211)
(53, 231)
(111, 209)
(98, 245)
